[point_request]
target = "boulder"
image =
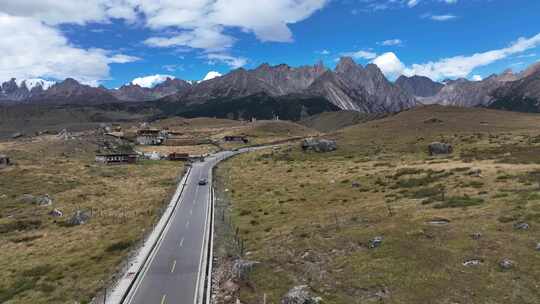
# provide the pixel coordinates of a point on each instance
(375, 242)
(355, 184)
(521, 226)
(506, 264)
(475, 173)
(437, 148)
(241, 268)
(56, 213)
(300, 295)
(538, 246)
(44, 200)
(319, 145)
(78, 218)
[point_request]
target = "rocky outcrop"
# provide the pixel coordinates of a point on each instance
(134, 92)
(277, 80)
(522, 95)
(300, 295)
(40, 200)
(465, 93)
(70, 91)
(419, 85)
(353, 87)
(318, 145)
(437, 148)
(349, 87)
(80, 217)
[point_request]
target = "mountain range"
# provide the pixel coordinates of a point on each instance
(349, 86)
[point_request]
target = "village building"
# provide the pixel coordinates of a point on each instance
(119, 158)
(236, 138)
(150, 137)
(4, 161)
(179, 156)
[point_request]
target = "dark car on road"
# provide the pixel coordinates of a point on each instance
(203, 182)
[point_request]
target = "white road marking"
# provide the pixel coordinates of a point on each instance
(173, 266)
(181, 243)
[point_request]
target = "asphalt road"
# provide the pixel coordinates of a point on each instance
(173, 270)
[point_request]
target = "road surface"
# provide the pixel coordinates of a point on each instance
(174, 269)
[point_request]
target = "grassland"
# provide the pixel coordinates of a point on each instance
(309, 218)
(43, 260)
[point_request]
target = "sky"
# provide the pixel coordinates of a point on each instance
(115, 42)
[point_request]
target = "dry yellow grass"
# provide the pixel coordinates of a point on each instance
(300, 215)
(49, 262)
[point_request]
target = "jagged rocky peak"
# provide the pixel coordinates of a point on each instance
(420, 86)
(533, 69)
(345, 65)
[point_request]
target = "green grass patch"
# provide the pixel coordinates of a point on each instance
(459, 201)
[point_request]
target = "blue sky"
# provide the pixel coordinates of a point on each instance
(113, 42)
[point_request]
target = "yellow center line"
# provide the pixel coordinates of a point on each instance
(173, 266)
(163, 299)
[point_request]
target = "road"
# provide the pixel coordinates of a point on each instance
(173, 270)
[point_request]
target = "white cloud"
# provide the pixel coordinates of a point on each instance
(441, 18)
(360, 54)
(391, 42)
(31, 49)
(210, 39)
(150, 81)
(476, 78)
(412, 3)
(461, 66)
(193, 24)
(202, 23)
(389, 64)
(233, 62)
(211, 75)
(323, 52)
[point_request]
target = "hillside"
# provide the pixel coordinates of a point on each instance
(332, 121)
(381, 221)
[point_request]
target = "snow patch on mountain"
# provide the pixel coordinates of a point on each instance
(34, 82)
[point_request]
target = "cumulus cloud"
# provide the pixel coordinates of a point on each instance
(452, 67)
(31, 49)
(389, 64)
(151, 80)
(188, 24)
(462, 66)
(211, 75)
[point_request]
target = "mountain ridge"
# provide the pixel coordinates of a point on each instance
(349, 86)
